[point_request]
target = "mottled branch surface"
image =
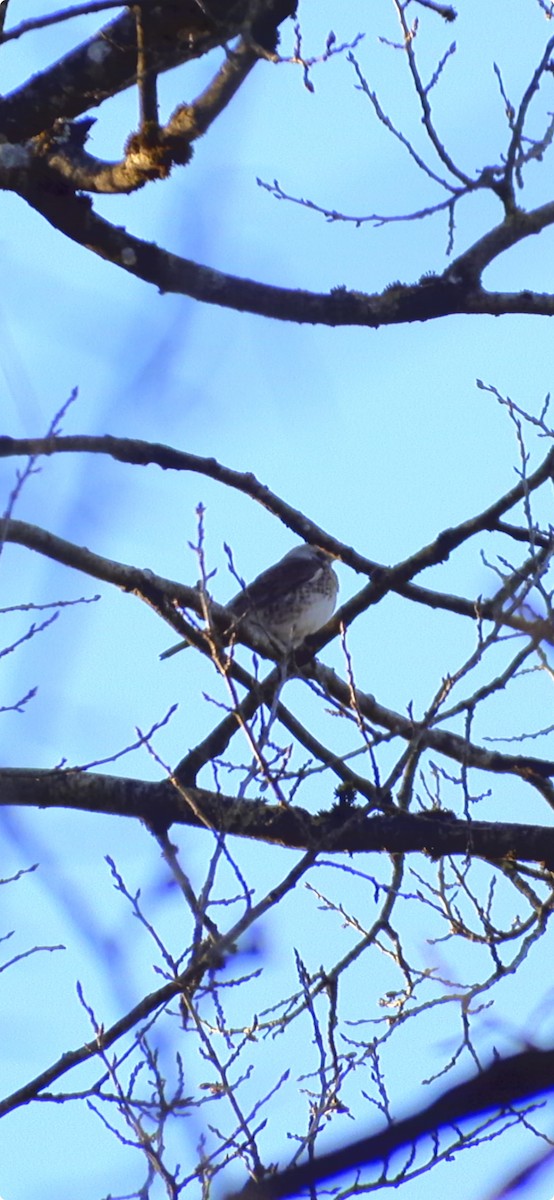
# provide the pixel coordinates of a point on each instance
(503, 1083)
(106, 64)
(168, 598)
(43, 159)
(333, 831)
(309, 866)
(376, 808)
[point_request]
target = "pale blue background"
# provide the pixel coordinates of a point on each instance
(380, 436)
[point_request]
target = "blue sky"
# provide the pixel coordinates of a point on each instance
(380, 436)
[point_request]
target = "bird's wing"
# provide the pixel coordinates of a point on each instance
(289, 573)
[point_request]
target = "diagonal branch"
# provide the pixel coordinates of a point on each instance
(333, 831)
(149, 154)
(503, 1084)
(457, 290)
(536, 771)
(107, 63)
(207, 956)
(384, 579)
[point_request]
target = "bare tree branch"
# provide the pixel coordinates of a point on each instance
(505, 1083)
(334, 831)
(457, 290)
(107, 63)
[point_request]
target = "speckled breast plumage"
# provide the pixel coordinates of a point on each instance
(291, 600)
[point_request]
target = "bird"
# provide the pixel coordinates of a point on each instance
(287, 602)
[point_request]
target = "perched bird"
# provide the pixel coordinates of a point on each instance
(287, 602)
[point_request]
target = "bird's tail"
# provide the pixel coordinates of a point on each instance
(184, 645)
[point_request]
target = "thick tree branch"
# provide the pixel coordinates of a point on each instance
(191, 121)
(141, 583)
(351, 831)
(507, 1082)
(209, 955)
(519, 225)
(536, 771)
(457, 290)
(157, 591)
(152, 152)
(107, 63)
(162, 594)
(140, 453)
